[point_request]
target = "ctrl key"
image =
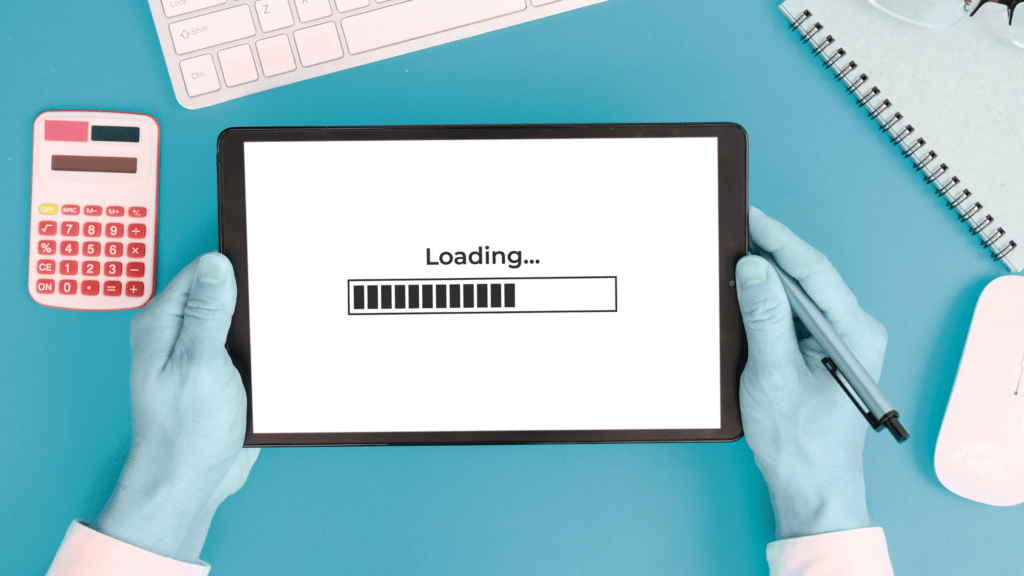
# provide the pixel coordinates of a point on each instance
(200, 75)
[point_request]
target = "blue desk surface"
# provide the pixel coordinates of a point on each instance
(816, 163)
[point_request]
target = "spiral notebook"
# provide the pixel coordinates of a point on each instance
(950, 99)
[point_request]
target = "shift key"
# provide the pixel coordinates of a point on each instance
(212, 29)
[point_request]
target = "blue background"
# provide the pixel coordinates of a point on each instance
(816, 163)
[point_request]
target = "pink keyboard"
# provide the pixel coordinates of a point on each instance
(218, 50)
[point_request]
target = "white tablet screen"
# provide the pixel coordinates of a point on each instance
(483, 285)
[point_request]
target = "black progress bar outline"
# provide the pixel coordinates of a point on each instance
(348, 296)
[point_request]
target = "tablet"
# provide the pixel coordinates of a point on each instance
(486, 284)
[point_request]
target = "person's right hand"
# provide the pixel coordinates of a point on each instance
(806, 434)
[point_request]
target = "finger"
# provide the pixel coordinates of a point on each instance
(812, 270)
(767, 316)
(155, 328)
(208, 309)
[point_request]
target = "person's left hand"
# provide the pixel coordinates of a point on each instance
(188, 416)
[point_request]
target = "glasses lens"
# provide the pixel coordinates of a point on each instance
(930, 13)
(1017, 28)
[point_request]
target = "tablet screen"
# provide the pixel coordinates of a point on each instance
(483, 285)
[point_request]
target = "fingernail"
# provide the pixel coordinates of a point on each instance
(211, 270)
(751, 271)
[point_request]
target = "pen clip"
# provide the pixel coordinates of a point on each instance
(834, 371)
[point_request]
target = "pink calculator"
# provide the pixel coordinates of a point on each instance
(92, 236)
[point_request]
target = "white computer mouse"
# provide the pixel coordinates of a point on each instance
(980, 452)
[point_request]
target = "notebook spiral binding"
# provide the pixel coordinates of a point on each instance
(956, 200)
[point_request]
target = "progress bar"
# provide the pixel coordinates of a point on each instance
(482, 295)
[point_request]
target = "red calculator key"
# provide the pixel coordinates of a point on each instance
(137, 212)
(90, 268)
(90, 287)
(92, 211)
(69, 210)
(68, 286)
(111, 288)
(112, 269)
(115, 230)
(91, 249)
(115, 210)
(45, 286)
(135, 269)
(69, 267)
(46, 266)
(135, 289)
(47, 228)
(92, 229)
(136, 250)
(113, 249)
(69, 228)
(69, 248)
(47, 246)
(136, 230)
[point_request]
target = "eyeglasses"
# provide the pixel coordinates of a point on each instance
(945, 13)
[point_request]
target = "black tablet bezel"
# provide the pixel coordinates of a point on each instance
(732, 226)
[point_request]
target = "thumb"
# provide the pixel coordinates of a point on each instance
(210, 305)
(767, 316)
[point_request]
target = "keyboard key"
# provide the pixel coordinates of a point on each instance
(178, 7)
(69, 229)
(47, 246)
(135, 270)
(137, 212)
(273, 14)
(68, 287)
(114, 249)
(136, 230)
(90, 287)
(47, 228)
(69, 248)
(418, 18)
(135, 289)
(212, 29)
(115, 210)
(69, 267)
(69, 209)
(44, 286)
(115, 230)
(112, 269)
(136, 250)
(346, 5)
(318, 44)
(542, 2)
(92, 229)
(310, 10)
(93, 210)
(200, 75)
(91, 249)
(238, 66)
(91, 268)
(275, 55)
(111, 288)
(46, 266)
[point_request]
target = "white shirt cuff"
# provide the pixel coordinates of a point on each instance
(860, 552)
(86, 552)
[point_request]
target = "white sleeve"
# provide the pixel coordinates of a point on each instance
(860, 552)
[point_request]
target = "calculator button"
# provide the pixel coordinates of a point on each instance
(238, 65)
(111, 288)
(200, 75)
(47, 208)
(93, 211)
(135, 269)
(92, 229)
(273, 14)
(136, 250)
(276, 55)
(90, 268)
(135, 289)
(69, 210)
(113, 249)
(69, 248)
(44, 286)
(115, 230)
(112, 269)
(48, 228)
(47, 246)
(90, 287)
(68, 286)
(115, 210)
(318, 44)
(91, 249)
(137, 212)
(69, 267)
(46, 266)
(136, 230)
(69, 228)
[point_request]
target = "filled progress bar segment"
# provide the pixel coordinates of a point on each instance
(482, 295)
